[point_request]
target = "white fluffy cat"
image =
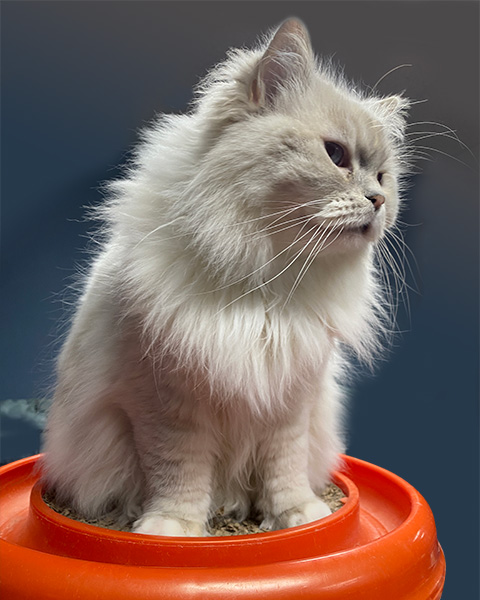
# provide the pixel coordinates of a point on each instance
(203, 366)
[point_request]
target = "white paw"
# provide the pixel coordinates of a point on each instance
(298, 515)
(157, 524)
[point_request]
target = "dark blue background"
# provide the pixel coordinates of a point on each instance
(80, 78)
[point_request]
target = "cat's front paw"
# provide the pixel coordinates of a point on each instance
(158, 524)
(298, 515)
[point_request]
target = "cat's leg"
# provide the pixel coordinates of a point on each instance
(91, 462)
(178, 487)
(177, 459)
(326, 430)
(286, 498)
(90, 457)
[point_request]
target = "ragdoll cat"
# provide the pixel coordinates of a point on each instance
(204, 363)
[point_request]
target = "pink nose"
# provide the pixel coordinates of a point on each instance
(377, 201)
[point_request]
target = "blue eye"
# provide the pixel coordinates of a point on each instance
(337, 154)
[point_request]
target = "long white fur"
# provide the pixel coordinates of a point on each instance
(205, 360)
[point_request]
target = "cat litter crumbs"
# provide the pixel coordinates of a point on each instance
(219, 525)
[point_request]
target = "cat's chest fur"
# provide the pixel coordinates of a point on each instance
(250, 349)
(253, 346)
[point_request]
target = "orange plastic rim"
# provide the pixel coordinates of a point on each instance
(381, 544)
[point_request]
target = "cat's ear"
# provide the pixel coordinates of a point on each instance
(393, 110)
(392, 105)
(287, 60)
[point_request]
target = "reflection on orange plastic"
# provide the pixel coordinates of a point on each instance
(381, 545)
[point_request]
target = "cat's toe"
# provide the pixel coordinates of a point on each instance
(298, 515)
(157, 524)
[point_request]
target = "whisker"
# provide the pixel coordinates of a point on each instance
(391, 301)
(312, 257)
(444, 154)
(306, 264)
(399, 240)
(272, 278)
(388, 73)
(398, 270)
(394, 292)
(397, 265)
(157, 229)
(283, 212)
(414, 102)
(286, 249)
(405, 224)
(414, 124)
(278, 223)
(279, 227)
(423, 135)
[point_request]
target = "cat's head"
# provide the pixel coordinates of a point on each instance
(316, 162)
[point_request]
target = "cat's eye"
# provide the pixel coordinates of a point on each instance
(380, 177)
(337, 153)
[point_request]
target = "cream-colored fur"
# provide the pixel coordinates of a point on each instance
(205, 360)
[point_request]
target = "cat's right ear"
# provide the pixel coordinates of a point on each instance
(287, 62)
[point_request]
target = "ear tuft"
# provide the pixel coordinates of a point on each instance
(393, 111)
(288, 59)
(393, 105)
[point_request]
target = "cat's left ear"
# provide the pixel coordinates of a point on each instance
(394, 105)
(393, 110)
(287, 62)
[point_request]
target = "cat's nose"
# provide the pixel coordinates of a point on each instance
(377, 200)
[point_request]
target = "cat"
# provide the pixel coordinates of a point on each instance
(206, 362)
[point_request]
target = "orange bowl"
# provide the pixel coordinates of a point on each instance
(382, 544)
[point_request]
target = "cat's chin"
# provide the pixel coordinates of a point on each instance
(346, 238)
(351, 241)
(357, 237)
(368, 231)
